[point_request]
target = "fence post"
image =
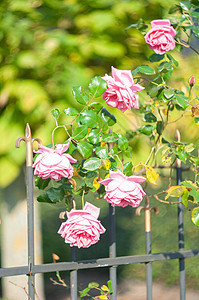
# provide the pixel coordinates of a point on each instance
(30, 205)
(180, 229)
(112, 251)
(147, 218)
(73, 275)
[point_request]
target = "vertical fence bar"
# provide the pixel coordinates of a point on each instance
(180, 230)
(73, 276)
(148, 251)
(112, 251)
(30, 205)
(147, 222)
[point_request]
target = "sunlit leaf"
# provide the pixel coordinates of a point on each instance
(151, 175)
(195, 216)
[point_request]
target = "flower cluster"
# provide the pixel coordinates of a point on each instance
(82, 227)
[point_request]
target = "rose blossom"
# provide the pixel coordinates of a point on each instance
(82, 229)
(121, 90)
(192, 81)
(54, 163)
(160, 36)
(122, 190)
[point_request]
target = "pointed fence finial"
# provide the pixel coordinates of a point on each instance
(29, 144)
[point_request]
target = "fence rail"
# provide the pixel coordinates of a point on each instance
(112, 262)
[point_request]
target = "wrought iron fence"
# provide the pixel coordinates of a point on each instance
(112, 262)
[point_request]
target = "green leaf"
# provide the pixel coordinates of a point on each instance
(146, 70)
(79, 95)
(195, 216)
(189, 147)
(196, 119)
(93, 285)
(89, 118)
(97, 86)
(169, 93)
(147, 129)
(44, 198)
(194, 160)
(175, 191)
(109, 283)
(101, 152)
(155, 90)
(185, 5)
(70, 111)
(165, 66)
(93, 136)
(113, 150)
(85, 148)
(80, 132)
(184, 197)
(156, 57)
(159, 127)
(182, 156)
(108, 117)
(84, 292)
(182, 101)
(55, 194)
(196, 31)
(171, 58)
(92, 164)
(55, 112)
(110, 137)
(122, 142)
(127, 168)
(95, 106)
(102, 124)
(134, 72)
(41, 183)
(149, 117)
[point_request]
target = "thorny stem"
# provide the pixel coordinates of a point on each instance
(30, 274)
(53, 132)
(187, 45)
(83, 193)
(150, 154)
(23, 288)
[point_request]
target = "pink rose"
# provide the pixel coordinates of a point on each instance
(121, 90)
(82, 229)
(160, 36)
(54, 163)
(122, 190)
(192, 81)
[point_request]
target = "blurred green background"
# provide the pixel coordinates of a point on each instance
(46, 48)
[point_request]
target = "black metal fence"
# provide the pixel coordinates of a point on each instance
(112, 262)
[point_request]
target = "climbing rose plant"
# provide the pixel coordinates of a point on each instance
(96, 159)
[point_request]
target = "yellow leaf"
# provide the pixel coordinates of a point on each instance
(175, 191)
(105, 288)
(104, 297)
(96, 183)
(75, 172)
(103, 144)
(151, 175)
(106, 164)
(138, 167)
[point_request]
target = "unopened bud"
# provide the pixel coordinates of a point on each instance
(192, 81)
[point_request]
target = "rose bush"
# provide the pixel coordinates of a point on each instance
(53, 163)
(102, 151)
(122, 190)
(121, 90)
(160, 36)
(82, 228)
